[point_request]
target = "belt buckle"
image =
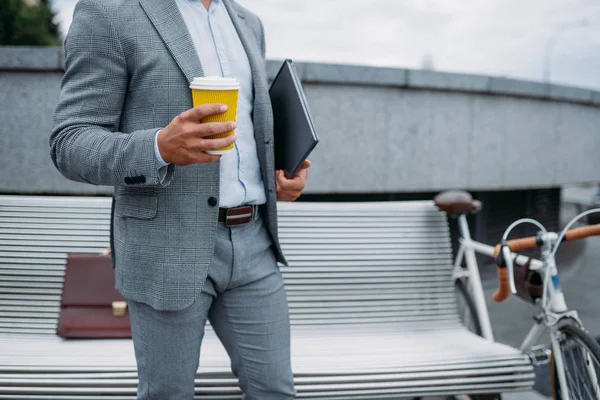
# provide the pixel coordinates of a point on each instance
(239, 216)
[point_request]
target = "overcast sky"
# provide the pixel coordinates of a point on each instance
(490, 37)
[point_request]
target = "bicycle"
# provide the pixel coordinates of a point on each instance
(574, 355)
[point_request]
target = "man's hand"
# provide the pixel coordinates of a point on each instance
(183, 142)
(290, 189)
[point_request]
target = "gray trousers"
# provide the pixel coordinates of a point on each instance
(244, 299)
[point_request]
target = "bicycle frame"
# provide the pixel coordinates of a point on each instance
(466, 252)
(554, 308)
(554, 316)
(547, 319)
(553, 304)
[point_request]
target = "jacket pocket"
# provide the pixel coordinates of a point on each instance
(136, 206)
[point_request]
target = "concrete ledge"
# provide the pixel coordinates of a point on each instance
(421, 79)
(572, 93)
(596, 97)
(354, 74)
(439, 81)
(517, 87)
(51, 59)
(31, 58)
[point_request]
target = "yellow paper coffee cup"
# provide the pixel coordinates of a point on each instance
(214, 89)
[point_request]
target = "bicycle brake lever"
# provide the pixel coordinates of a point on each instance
(506, 254)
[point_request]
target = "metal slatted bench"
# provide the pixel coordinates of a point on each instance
(369, 284)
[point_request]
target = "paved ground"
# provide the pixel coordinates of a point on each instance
(579, 269)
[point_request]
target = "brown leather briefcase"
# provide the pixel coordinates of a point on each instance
(91, 307)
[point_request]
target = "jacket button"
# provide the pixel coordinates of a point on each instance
(212, 201)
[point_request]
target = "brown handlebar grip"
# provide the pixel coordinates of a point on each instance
(582, 233)
(503, 286)
(497, 251)
(517, 245)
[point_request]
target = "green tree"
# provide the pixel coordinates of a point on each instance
(27, 25)
(52, 27)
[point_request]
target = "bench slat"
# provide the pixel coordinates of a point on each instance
(369, 288)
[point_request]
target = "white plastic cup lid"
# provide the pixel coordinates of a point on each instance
(215, 83)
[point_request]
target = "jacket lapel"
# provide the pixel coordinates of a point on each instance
(167, 20)
(259, 78)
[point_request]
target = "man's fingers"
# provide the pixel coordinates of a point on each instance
(305, 165)
(215, 144)
(280, 176)
(290, 189)
(203, 144)
(213, 128)
(301, 174)
(203, 111)
(289, 184)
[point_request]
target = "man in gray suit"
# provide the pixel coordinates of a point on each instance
(194, 235)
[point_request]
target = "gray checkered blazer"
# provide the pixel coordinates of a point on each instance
(128, 68)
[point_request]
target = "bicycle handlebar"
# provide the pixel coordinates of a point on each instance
(503, 291)
(516, 245)
(582, 233)
(531, 242)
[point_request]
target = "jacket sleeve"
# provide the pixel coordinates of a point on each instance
(85, 144)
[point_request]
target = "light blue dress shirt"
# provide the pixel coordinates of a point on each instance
(222, 54)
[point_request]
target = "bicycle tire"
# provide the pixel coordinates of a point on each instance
(462, 293)
(582, 341)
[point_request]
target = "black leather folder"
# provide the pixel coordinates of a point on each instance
(295, 136)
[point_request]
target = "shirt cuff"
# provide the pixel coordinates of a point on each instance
(160, 160)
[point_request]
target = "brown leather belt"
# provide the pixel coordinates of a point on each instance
(238, 215)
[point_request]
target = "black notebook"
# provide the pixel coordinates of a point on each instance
(295, 135)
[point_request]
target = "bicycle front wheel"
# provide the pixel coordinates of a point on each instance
(581, 362)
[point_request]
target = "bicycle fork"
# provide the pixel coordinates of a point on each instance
(559, 366)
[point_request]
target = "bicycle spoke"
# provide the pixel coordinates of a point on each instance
(581, 370)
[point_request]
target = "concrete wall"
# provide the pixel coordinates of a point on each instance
(382, 130)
